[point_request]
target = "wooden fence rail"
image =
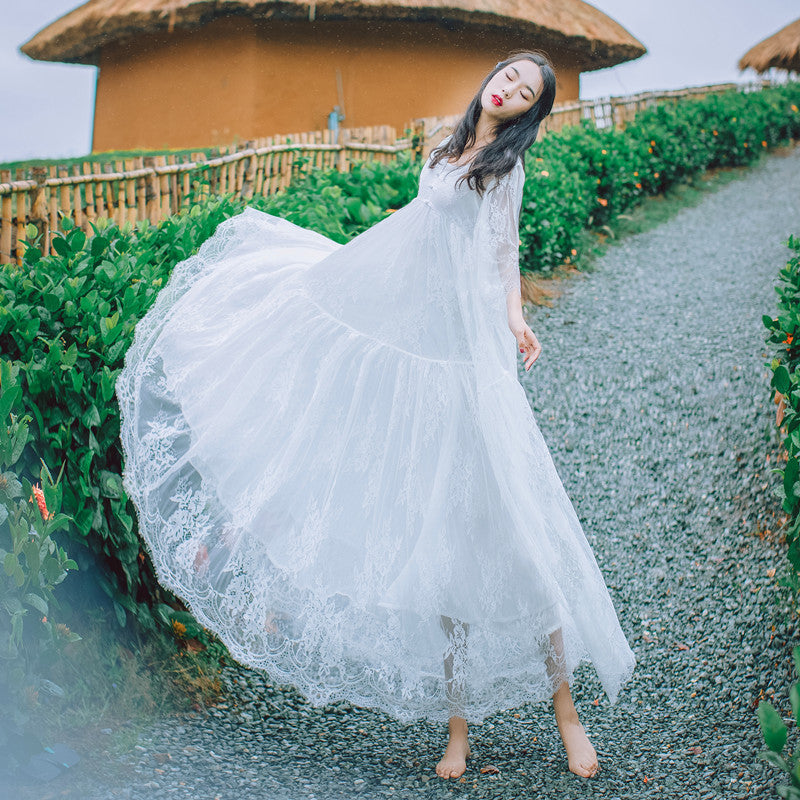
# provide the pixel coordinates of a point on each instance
(153, 187)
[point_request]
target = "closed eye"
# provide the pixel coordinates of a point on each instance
(522, 93)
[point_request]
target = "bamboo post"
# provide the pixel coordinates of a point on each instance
(259, 182)
(141, 192)
(241, 166)
(286, 166)
(77, 199)
(270, 167)
(152, 194)
(173, 187)
(5, 220)
(186, 186)
(39, 210)
(88, 192)
(163, 192)
(53, 209)
(21, 203)
(305, 167)
(249, 169)
(128, 212)
(97, 191)
(201, 179)
(222, 186)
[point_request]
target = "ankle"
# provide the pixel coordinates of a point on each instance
(564, 706)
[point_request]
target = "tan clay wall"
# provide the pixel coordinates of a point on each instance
(237, 79)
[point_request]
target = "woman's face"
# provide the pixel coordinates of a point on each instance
(511, 91)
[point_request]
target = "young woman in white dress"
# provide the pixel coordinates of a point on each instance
(336, 468)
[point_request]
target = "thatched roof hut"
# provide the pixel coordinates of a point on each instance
(781, 50)
(196, 72)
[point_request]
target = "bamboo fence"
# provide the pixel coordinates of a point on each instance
(153, 187)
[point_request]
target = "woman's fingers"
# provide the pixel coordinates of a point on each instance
(529, 347)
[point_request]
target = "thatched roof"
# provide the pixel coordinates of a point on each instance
(781, 50)
(595, 38)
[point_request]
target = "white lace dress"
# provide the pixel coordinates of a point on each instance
(336, 468)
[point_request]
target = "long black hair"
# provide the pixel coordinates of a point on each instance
(511, 137)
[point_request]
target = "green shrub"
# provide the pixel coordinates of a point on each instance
(33, 563)
(784, 331)
(775, 734)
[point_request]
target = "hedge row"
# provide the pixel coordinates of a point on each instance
(784, 336)
(66, 320)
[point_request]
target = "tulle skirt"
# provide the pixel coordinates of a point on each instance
(331, 482)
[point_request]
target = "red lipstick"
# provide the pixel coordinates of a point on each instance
(497, 100)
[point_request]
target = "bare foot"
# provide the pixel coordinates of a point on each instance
(454, 761)
(270, 625)
(581, 756)
(201, 559)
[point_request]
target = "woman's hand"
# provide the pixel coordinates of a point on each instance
(528, 343)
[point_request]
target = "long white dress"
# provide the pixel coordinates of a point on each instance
(336, 468)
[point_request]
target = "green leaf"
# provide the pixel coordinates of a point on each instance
(781, 380)
(7, 400)
(121, 615)
(10, 563)
(110, 484)
(774, 759)
(91, 418)
(772, 728)
(77, 240)
(60, 246)
(790, 474)
(99, 246)
(31, 551)
(69, 356)
(13, 605)
(37, 602)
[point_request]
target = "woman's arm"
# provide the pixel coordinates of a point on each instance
(504, 214)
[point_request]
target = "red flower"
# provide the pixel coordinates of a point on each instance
(39, 495)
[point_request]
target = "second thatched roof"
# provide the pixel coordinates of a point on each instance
(781, 50)
(572, 24)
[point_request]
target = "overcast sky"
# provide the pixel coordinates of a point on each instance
(46, 109)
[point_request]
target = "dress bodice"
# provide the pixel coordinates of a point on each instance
(439, 188)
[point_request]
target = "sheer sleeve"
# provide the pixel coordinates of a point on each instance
(500, 215)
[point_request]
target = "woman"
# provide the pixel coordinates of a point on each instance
(335, 465)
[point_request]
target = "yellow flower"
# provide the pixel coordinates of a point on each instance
(794, 108)
(763, 143)
(574, 251)
(656, 174)
(545, 173)
(178, 628)
(653, 142)
(635, 174)
(603, 152)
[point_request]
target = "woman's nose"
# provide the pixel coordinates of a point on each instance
(507, 92)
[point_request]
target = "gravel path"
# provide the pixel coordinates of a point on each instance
(652, 394)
